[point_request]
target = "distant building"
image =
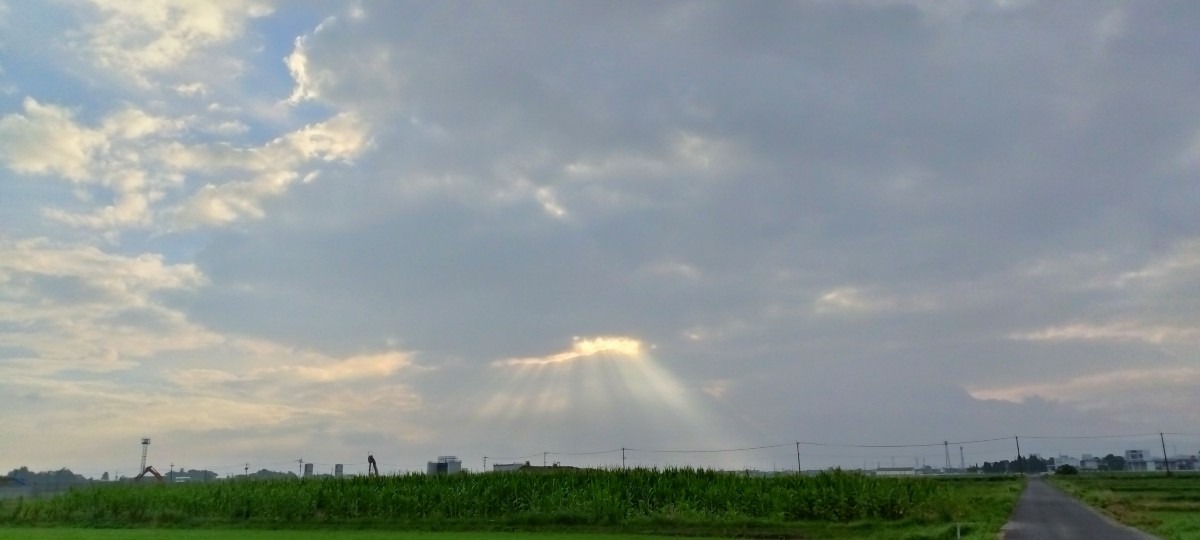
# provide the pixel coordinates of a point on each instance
(895, 471)
(337, 470)
(308, 470)
(444, 465)
(508, 467)
(1089, 463)
(1177, 463)
(1139, 460)
(1064, 459)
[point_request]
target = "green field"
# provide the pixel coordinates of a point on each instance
(1167, 506)
(677, 502)
(224, 534)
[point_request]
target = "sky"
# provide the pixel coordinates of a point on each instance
(261, 232)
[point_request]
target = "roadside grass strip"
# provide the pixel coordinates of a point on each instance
(1167, 506)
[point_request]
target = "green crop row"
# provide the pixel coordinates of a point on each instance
(590, 498)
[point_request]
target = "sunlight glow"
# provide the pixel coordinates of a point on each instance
(602, 386)
(583, 348)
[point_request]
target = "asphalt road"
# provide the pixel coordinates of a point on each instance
(1045, 513)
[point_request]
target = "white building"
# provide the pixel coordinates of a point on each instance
(1139, 460)
(444, 465)
(895, 471)
(1064, 459)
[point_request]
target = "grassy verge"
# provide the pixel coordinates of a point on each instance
(225, 534)
(675, 502)
(1167, 506)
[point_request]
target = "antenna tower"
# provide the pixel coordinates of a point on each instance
(145, 449)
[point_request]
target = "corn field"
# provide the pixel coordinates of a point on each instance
(589, 497)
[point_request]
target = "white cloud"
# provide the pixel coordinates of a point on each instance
(1181, 263)
(852, 300)
(1131, 394)
(143, 160)
(1117, 331)
(229, 202)
(582, 348)
(1150, 309)
(132, 123)
(275, 164)
(46, 140)
(228, 127)
(141, 38)
(191, 89)
(297, 64)
(80, 308)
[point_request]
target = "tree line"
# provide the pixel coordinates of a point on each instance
(1036, 464)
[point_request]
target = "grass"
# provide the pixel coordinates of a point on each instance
(1167, 506)
(679, 502)
(225, 534)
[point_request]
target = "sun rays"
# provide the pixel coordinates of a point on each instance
(606, 388)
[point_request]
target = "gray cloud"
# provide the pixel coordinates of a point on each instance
(850, 221)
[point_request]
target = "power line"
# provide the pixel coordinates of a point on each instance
(1129, 435)
(709, 451)
(580, 453)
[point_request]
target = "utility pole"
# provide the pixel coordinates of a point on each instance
(1166, 458)
(946, 446)
(484, 463)
(301, 460)
(962, 461)
(247, 470)
(799, 469)
(622, 458)
(544, 458)
(1020, 463)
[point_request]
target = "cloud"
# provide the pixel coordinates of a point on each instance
(46, 140)
(1119, 331)
(307, 85)
(834, 215)
(358, 367)
(851, 300)
(275, 164)
(142, 159)
(581, 349)
(1148, 306)
(141, 39)
(1129, 395)
(77, 308)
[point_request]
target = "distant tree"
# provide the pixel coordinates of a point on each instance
(1066, 470)
(104, 477)
(1000, 467)
(1112, 463)
(62, 477)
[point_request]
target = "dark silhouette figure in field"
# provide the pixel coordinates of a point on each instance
(372, 467)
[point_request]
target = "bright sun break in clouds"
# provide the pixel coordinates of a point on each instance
(606, 380)
(584, 349)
